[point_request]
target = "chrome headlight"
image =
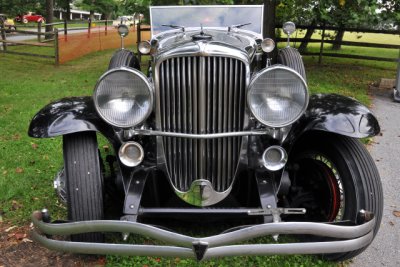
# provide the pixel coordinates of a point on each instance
(277, 96)
(123, 97)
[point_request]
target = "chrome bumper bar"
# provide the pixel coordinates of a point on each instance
(355, 237)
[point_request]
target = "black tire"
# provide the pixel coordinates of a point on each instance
(124, 58)
(291, 57)
(84, 181)
(358, 178)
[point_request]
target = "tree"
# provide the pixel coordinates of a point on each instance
(346, 13)
(105, 7)
(339, 13)
(65, 5)
(16, 7)
(389, 14)
(49, 16)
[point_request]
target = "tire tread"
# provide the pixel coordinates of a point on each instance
(82, 170)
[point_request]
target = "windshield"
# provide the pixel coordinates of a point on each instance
(207, 16)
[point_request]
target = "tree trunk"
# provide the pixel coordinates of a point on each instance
(91, 15)
(338, 38)
(269, 24)
(68, 8)
(49, 17)
(307, 37)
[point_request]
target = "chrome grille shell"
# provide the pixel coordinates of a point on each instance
(208, 111)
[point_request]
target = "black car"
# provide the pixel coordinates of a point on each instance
(212, 134)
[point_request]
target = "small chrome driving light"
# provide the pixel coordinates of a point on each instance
(131, 154)
(289, 28)
(267, 45)
(144, 47)
(274, 158)
(123, 30)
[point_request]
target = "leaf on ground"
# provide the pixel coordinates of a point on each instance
(34, 146)
(19, 170)
(27, 240)
(10, 228)
(396, 213)
(20, 236)
(391, 223)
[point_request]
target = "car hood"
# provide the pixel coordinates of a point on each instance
(212, 42)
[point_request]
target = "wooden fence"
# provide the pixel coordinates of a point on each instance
(50, 40)
(324, 40)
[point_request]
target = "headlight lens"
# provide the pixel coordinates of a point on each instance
(123, 97)
(277, 96)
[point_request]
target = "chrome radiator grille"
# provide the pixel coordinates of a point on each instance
(202, 95)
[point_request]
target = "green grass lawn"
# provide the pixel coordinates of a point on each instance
(27, 166)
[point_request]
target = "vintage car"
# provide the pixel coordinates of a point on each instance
(215, 137)
(8, 23)
(29, 17)
(125, 20)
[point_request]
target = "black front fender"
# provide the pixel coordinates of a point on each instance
(336, 114)
(68, 115)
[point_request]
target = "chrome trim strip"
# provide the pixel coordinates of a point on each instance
(199, 136)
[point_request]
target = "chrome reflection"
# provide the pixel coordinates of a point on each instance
(202, 193)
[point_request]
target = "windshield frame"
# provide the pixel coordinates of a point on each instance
(205, 6)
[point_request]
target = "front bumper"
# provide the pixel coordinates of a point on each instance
(351, 238)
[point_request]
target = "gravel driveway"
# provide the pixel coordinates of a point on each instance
(385, 249)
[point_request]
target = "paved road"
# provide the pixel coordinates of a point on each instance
(385, 249)
(24, 37)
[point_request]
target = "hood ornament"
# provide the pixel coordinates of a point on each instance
(201, 35)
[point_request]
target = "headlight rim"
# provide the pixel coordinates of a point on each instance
(136, 72)
(270, 68)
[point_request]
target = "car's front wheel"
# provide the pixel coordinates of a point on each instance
(334, 177)
(84, 181)
(124, 58)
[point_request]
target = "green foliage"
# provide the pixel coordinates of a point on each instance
(106, 7)
(15, 7)
(390, 13)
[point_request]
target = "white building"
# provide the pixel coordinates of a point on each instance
(76, 14)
